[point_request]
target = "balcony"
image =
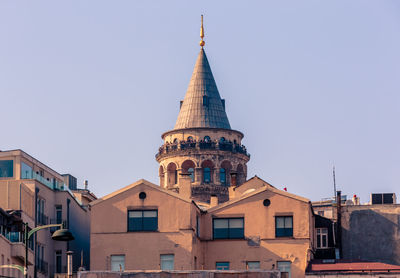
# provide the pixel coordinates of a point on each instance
(18, 251)
(202, 145)
(52, 184)
(42, 266)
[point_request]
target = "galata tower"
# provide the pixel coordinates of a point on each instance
(202, 143)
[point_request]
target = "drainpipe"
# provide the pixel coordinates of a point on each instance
(339, 224)
(35, 235)
(68, 227)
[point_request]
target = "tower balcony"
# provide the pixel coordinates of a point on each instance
(184, 146)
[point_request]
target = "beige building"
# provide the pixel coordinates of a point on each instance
(39, 196)
(144, 226)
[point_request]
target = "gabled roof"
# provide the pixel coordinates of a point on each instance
(266, 187)
(138, 183)
(202, 105)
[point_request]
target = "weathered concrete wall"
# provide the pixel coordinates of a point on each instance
(372, 233)
(181, 274)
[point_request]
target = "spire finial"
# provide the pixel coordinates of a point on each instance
(202, 43)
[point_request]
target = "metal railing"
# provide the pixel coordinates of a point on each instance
(43, 266)
(202, 145)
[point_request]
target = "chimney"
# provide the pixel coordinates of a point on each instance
(86, 184)
(213, 201)
(185, 188)
(339, 223)
(356, 200)
(231, 192)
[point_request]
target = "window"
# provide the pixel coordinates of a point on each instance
(228, 228)
(205, 100)
(167, 262)
(26, 171)
(207, 175)
(321, 213)
(142, 220)
(58, 214)
(322, 237)
(284, 268)
(197, 226)
(222, 176)
(283, 226)
(191, 172)
(207, 139)
(190, 139)
(117, 262)
(222, 139)
(253, 265)
(58, 261)
(6, 168)
(222, 265)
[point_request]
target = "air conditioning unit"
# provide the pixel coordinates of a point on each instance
(383, 198)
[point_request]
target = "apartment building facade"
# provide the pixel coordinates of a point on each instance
(146, 227)
(38, 194)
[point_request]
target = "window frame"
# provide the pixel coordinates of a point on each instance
(227, 218)
(141, 230)
(115, 256)
(161, 260)
(216, 265)
(253, 262)
(319, 234)
(285, 230)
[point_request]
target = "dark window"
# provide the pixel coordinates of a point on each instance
(205, 100)
(224, 228)
(6, 169)
(322, 237)
(207, 175)
(142, 220)
(197, 226)
(222, 176)
(222, 139)
(283, 226)
(207, 139)
(190, 139)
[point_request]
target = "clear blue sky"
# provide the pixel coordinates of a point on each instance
(88, 87)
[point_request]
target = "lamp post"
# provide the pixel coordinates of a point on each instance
(59, 235)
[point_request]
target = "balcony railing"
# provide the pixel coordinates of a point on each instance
(202, 145)
(52, 184)
(42, 266)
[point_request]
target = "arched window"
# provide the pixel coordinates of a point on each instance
(207, 139)
(190, 139)
(206, 175)
(222, 139)
(222, 176)
(191, 172)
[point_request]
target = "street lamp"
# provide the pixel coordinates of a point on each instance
(59, 235)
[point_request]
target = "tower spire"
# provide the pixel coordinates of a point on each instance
(202, 43)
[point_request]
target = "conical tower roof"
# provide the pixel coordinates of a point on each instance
(202, 105)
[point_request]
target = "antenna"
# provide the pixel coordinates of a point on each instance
(334, 184)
